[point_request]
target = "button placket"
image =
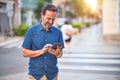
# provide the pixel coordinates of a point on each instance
(45, 57)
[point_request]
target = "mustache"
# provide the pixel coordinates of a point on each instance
(48, 24)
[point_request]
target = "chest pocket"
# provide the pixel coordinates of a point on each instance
(52, 38)
(38, 41)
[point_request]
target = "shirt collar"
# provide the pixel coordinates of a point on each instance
(42, 29)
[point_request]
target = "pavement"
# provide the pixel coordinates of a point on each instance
(4, 39)
(80, 41)
(65, 76)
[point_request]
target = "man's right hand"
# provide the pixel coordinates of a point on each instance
(46, 47)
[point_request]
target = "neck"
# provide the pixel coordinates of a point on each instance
(44, 26)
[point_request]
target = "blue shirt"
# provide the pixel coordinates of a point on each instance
(35, 39)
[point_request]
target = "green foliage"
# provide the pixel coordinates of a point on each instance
(21, 30)
(40, 4)
(69, 14)
(78, 7)
(37, 11)
(87, 24)
(77, 25)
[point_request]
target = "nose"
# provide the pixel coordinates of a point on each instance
(50, 21)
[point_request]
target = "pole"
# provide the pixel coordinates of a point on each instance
(10, 24)
(10, 14)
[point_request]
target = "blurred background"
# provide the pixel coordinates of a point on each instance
(16, 13)
(95, 46)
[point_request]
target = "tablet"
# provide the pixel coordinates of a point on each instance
(57, 44)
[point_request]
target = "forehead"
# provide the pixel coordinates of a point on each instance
(50, 13)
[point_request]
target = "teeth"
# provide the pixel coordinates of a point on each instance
(47, 25)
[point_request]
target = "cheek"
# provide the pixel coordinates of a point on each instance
(45, 20)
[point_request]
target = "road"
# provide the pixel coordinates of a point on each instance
(90, 58)
(11, 59)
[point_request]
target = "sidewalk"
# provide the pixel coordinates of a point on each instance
(91, 40)
(17, 76)
(3, 39)
(65, 76)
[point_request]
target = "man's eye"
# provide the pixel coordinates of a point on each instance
(51, 19)
(48, 18)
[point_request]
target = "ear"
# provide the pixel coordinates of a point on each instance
(41, 14)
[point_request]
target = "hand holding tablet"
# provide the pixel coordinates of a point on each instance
(57, 44)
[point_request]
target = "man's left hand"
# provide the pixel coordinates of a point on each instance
(57, 52)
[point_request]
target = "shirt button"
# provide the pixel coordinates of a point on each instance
(45, 40)
(45, 65)
(45, 57)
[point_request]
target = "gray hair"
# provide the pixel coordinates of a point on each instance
(49, 7)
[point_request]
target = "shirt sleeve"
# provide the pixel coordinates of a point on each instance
(27, 43)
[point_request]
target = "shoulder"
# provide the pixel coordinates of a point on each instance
(55, 29)
(34, 28)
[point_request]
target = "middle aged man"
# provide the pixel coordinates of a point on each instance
(37, 46)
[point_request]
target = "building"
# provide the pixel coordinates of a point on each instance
(9, 15)
(27, 8)
(111, 19)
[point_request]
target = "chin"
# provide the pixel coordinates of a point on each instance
(47, 27)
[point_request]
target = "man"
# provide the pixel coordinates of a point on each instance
(37, 46)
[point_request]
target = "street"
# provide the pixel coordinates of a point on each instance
(90, 58)
(11, 58)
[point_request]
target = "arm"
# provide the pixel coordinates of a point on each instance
(31, 53)
(36, 53)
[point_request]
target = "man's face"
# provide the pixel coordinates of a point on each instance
(48, 19)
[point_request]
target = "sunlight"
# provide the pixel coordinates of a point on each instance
(92, 4)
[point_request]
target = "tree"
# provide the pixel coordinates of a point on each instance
(37, 11)
(78, 8)
(40, 4)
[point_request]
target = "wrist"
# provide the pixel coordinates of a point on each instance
(42, 51)
(59, 55)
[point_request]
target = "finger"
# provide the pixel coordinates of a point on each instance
(48, 45)
(59, 47)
